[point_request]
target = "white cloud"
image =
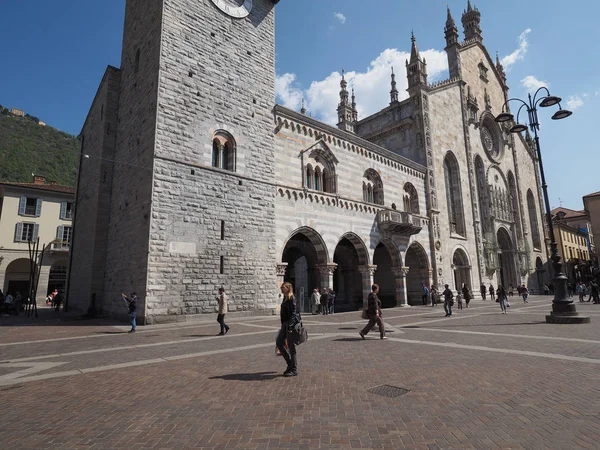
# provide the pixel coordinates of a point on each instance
(532, 83)
(519, 53)
(340, 17)
(574, 102)
(597, 93)
(372, 85)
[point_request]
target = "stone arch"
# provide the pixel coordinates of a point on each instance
(359, 245)
(461, 264)
(57, 277)
(16, 276)
(316, 240)
(454, 199)
(418, 263)
(507, 269)
(352, 258)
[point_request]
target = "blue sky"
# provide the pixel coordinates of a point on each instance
(54, 54)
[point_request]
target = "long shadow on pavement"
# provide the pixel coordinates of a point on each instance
(259, 376)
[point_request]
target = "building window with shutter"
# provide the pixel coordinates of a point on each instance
(66, 210)
(63, 238)
(30, 206)
(26, 232)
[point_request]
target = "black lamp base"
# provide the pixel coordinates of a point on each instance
(565, 313)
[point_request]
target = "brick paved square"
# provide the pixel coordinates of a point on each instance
(477, 380)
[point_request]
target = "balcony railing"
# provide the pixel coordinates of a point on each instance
(400, 222)
(60, 246)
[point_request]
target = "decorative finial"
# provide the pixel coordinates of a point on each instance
(303, 110)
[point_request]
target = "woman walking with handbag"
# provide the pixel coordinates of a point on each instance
(289, 319)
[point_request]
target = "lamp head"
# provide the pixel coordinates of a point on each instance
(561, 114)
(551, 100)
(504, 117)
(518, 128)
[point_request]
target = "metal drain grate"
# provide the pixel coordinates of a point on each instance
(386, 390)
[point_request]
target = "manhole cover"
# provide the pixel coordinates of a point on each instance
(386, 390)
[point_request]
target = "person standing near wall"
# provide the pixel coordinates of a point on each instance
(289, 318)
(131, 309)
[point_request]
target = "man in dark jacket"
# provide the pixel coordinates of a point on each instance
(448, 300)
(374, 313)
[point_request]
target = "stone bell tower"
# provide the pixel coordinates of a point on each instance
(190, 206)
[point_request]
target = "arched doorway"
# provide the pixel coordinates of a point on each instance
(349, 255)
(462, 269)
(386, 259)
(418, 272)
(507, 272)
(539, 271)
(304, 252)
(17, 277)
(58, 277)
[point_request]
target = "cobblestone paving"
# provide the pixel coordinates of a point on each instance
(477, 380)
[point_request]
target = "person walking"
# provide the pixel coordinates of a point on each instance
(374, 314)
(524, 293)
(331, 301)
(511, 291)
(594, 292)
(448, 300)
(482, 291)
(325, 301)
(466, 294)
(581, 291)
(289, 318)
(424, 294)
(492, 292)
(131, 309)
(502, 298)
(315, 301)
(459, 299)
(434, 295)
(222, 299)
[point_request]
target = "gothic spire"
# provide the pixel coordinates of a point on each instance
(450, 30)
(394, 91)
(414, 51)
(303, 109)
(500, 69)
(343, 91)
(470, 20)
(450, 20)
(354, 110)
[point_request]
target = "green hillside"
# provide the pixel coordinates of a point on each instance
(27, 147)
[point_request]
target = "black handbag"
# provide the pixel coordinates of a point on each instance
(298, 335)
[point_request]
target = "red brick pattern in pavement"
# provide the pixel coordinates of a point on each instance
(459, 398)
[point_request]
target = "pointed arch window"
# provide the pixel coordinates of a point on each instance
(318, 179)
(482, 193)
(410, 199)
(454, 201)
(533, 221)
(373, 186)
(224, 151)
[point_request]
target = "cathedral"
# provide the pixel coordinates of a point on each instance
(193, 178)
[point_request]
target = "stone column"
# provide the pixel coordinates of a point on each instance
(367, 273)
(326, 272)
(429, 278)
(401, 292)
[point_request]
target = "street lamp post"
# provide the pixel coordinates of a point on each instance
(563, 309)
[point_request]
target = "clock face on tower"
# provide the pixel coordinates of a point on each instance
(234, 8)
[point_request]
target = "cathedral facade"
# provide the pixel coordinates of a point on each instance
(195, 179)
